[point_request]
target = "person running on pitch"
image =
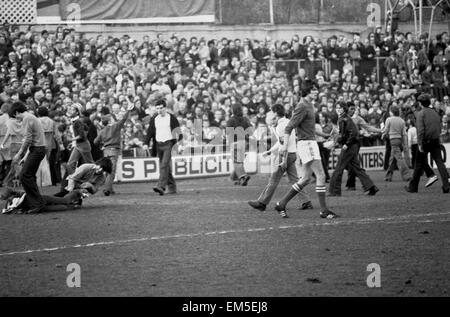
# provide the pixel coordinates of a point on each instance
(304, 121)
(281, 165)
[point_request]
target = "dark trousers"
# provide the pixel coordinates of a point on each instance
(52, 162)
(349, 158)
(164, 153)
(387, 155)
(426, 167)
(325, 155)
(28, 176)
(414, 151)
(434, 149)
(351, 177)
(5, 167)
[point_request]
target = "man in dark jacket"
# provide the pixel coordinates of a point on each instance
(238, 131)
(349, 139)
(428, 138)
(164, 132)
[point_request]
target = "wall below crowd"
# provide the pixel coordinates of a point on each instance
(217, 31)
(191, 167)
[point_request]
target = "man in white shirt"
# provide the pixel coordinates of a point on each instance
(281, 165)
(5, 153)
(163, 131)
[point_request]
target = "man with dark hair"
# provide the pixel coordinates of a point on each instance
(360, 124)
(238, 132)
(110, 138)
(395, 130)
(163, 131)
(35, 143)
(349, 139)
(304, 122)
(428, 138)
(90, 176)
(81, 148)
(281, 165)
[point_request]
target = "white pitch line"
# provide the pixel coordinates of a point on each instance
(386, 220)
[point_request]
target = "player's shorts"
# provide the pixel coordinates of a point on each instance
(308, 151)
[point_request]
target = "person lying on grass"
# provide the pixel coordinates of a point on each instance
(16, 202)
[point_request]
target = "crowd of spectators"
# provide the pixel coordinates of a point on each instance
(201, 79)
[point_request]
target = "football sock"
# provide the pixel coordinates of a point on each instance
(321, 193)
(291, 194)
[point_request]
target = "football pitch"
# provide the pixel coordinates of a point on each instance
(206, 241)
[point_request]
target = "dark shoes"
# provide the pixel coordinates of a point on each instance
(373, 191)
(172, 192)
(328, 214)
(388, 177)
(281, 211)
(257, 205)
(62, 194)
(244, 180)
(35, 211)
(446, 190)
(307, 206)
(159, 190)
(409, 190)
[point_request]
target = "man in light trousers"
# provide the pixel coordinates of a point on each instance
(280, 165)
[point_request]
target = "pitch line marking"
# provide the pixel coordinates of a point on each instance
(387, 220)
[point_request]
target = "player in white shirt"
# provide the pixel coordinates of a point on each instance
(281, 165)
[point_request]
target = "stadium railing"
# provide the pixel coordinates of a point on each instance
(362, 68)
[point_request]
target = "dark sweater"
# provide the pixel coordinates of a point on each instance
(348, 132)
(304, 121)
(428, 126)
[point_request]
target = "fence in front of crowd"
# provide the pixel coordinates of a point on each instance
(362, 68)
(218, 165)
